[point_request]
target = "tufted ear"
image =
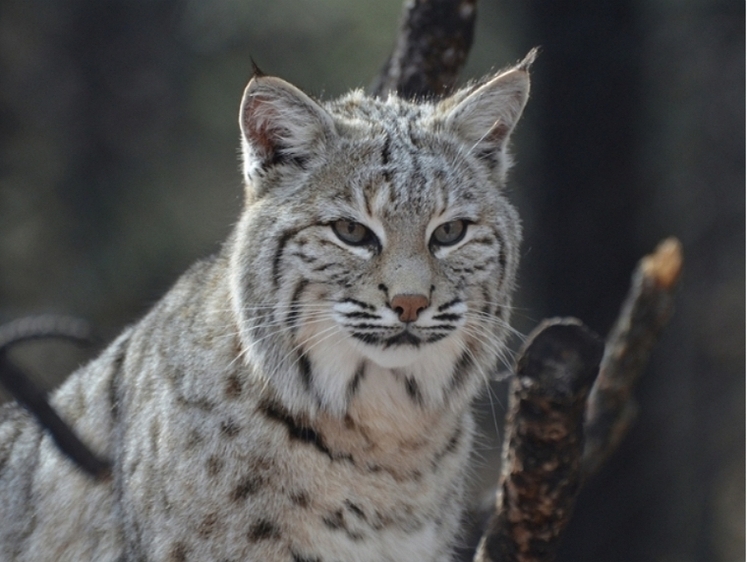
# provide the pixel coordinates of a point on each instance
(484, 117)
(279, 124)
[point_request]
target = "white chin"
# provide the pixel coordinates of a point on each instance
(393, 358)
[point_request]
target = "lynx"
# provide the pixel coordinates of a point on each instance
(305, 394)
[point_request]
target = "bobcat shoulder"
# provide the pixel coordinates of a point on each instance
(305, 394)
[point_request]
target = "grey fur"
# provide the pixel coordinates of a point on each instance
(272, 406)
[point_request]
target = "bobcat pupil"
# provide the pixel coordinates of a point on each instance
(353, 233)
(449, 233)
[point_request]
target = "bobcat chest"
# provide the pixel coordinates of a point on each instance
(275, 486)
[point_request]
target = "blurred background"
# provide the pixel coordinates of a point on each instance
(118, 168)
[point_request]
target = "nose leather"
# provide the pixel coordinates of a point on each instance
(408, 307)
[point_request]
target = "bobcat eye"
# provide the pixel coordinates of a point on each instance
(353, 233)
(449, 233)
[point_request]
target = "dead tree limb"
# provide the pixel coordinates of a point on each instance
(434, 40)
(42, 327)
(541, 472)
(33, 398)
(646, 310)
(555, 438)
(554, 435)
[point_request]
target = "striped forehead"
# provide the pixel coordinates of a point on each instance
(411, 170)
(388, 113)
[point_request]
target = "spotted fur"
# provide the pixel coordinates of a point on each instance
(305, 394)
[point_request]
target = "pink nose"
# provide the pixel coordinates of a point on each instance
(409, 306)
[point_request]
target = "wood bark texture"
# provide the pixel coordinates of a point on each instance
(434, 39)
(541, 472)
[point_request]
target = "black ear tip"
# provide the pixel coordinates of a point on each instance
(256, 71)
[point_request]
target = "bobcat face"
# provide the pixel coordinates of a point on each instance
(415, 258)
(387, 242)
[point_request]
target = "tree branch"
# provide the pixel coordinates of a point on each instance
(434, 40)
(541, 471)
(545, 459)
(646, 310)
(33, 398)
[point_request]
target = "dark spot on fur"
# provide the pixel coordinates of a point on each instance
(356, 380)
(461, 370)
(451, 447)
(301, 499)
(280, 248)
(233, 386)
(355, 509)
(263, 529)
(207, 525)
(334, 520)
(295, 306)
(229, 428)
(178, 553)
(385, 152)
(246, 487)
(305, 371)
(214, 465)
(413, 391)
(299, 429)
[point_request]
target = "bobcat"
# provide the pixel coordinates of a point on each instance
(304, 395)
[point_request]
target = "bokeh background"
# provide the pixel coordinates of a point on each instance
(118, 168)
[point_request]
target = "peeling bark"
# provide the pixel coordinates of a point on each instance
(541, 472)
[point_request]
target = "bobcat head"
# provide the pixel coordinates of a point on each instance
(376, 238)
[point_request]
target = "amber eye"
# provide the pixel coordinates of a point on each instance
(353, 233)
(449, 233)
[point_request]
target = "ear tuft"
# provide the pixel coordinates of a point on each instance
(279, 124)
(256, 70)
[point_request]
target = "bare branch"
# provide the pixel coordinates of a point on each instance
(33, 398)
(541, 472)
(432, 47)
(646, 310)
(44, 327)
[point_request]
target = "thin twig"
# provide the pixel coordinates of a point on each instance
(42, 327)
(33, 398)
